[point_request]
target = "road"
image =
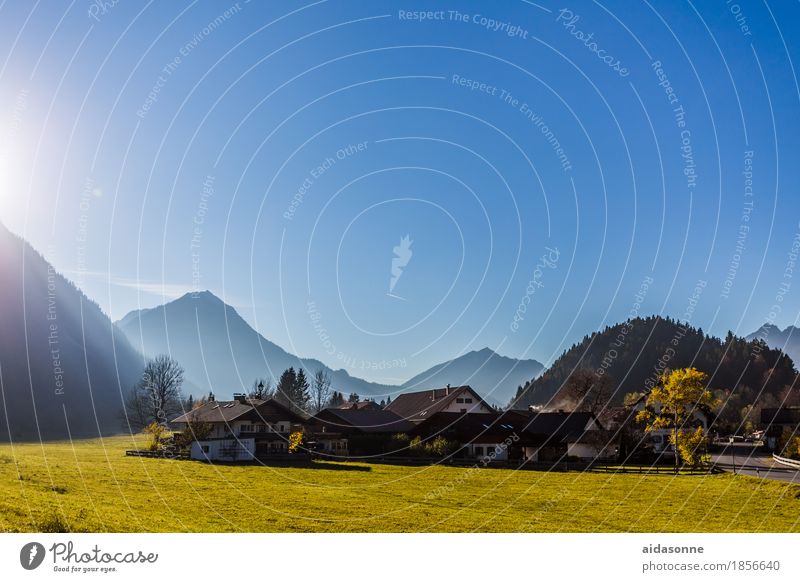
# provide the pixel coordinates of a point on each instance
(755, 461)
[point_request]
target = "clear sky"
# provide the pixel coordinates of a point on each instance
(547, 162)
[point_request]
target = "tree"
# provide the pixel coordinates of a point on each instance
(691, 445)
(296, 441)
(261, 389)
(388, 400)
(292, 389)
(672, 401)
(585, 391)
(285, 388)
(353, 397)
(336, 400)
(320, 389)
(157, 396)
(301, 395)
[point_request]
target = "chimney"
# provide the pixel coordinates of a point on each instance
(240, 398)
(211, 397)
(447, 390)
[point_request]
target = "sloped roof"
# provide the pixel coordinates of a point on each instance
(367, 420)
(253, 409)
(359, 405)
(560, 424)
(468, 427)
(216, 411)
(416, 406)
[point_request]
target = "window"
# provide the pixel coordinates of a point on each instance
(459, 401)
(204, 448)
(247, 428)
(463, 410)
(478, 451)
(467, 400)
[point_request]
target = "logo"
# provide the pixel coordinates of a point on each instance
(402, 255)
(31, 555)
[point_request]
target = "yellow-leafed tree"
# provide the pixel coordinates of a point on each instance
(296, 441)
(670, 405)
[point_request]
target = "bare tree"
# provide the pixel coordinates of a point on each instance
(320, 389)
(157, 396)
(585, 391)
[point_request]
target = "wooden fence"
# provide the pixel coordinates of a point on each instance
(158, 454)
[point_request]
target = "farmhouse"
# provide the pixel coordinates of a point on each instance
(418, 406)
(355, 431)
(775, 421)
(242, 429)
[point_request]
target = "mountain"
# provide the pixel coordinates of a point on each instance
(222, 353)
(63, 365)
(632, 353)
(494, 376)
(787, 340)
(219, 350)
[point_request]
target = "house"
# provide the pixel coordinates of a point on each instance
(355, 431)
(242, 429)
(417, 406)
(775, 420)
(554, 436)
(479, 435)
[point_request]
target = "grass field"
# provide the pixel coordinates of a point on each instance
(93, 486)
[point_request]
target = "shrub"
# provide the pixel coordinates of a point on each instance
(440, 447)
(54, 523)
(156, 432)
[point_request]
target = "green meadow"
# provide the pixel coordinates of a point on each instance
(91, 486)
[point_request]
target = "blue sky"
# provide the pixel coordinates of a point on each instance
(277, 153)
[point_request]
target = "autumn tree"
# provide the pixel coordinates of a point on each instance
(156, 432)
(671, 403)
(296, 441)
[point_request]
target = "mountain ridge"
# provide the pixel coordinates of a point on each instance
(149, 330)
(64, 366)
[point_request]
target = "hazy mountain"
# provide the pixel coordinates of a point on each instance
(219, 350)
(63, 366)
(632, 353)
(787, 340)
(222, 353)
(494, 376)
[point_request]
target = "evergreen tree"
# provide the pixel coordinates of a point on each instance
(284, 392)
(301, 396)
